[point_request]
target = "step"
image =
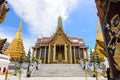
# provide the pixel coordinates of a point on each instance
(59, 70)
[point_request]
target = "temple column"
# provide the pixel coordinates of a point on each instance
(84, 56)
(45, 56)
(65, 52)
(33, 52)
(70, 55)
(74, 55)
(54, 52)
(86, 53)
(40, 52)
(79, 52)
(49, 53)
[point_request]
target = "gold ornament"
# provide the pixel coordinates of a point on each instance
(117, 56)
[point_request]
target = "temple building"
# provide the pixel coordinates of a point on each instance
(16, 48)
(60, 48)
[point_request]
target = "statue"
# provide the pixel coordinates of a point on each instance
(117, 56)
(3, 10)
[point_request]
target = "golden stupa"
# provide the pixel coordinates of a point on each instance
(16, 48)
(98, 45)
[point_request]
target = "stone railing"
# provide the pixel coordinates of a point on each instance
(36, 66)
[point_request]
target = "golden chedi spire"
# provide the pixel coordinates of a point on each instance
(99, 35)
(98, 49)
(16, 48)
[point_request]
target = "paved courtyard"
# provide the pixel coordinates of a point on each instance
(51, 78)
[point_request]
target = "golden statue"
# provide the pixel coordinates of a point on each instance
(115, 27)
(117, 56)
(3, 10)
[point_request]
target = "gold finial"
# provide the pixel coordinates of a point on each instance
(99, 35)
(20, 25)
(97, 26)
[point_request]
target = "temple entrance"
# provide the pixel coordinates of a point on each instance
(60, 57)
(60, 53)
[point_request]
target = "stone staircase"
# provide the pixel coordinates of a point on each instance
(59, 70)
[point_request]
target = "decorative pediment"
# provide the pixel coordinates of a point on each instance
(60, 40)
(60, 37)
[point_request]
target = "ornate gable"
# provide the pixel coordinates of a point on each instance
(60, 37)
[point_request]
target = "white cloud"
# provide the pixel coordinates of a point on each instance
(41, 15)
(4, 33)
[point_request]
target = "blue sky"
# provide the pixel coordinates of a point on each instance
(79, 19)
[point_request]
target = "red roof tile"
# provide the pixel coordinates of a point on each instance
(75, 42)
(83, 46)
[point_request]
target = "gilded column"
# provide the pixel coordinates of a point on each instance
(54, 52)
(70, 55)
(74, 56)
(84, 56)
(45, 55)
(65, 48)
(79, 52)
(86, 53)
(33, 52)
(49, 53)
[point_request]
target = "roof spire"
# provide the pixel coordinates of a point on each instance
(99, 35)
(19, 32)
(20, 25)
(60, 22)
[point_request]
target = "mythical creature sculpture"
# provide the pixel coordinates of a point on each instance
(117, 56)
(114, 31)
(3, 10)
(114, 42)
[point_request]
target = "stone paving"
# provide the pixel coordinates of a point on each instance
(51, 78)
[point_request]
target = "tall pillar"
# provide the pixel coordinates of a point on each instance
(49, 53)
(70, 55)
(40, 52)
(45, 56)
(65, 52)
(74, 56)
(54, 53)
(86, 53)
(33, 52)
(79, 52)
